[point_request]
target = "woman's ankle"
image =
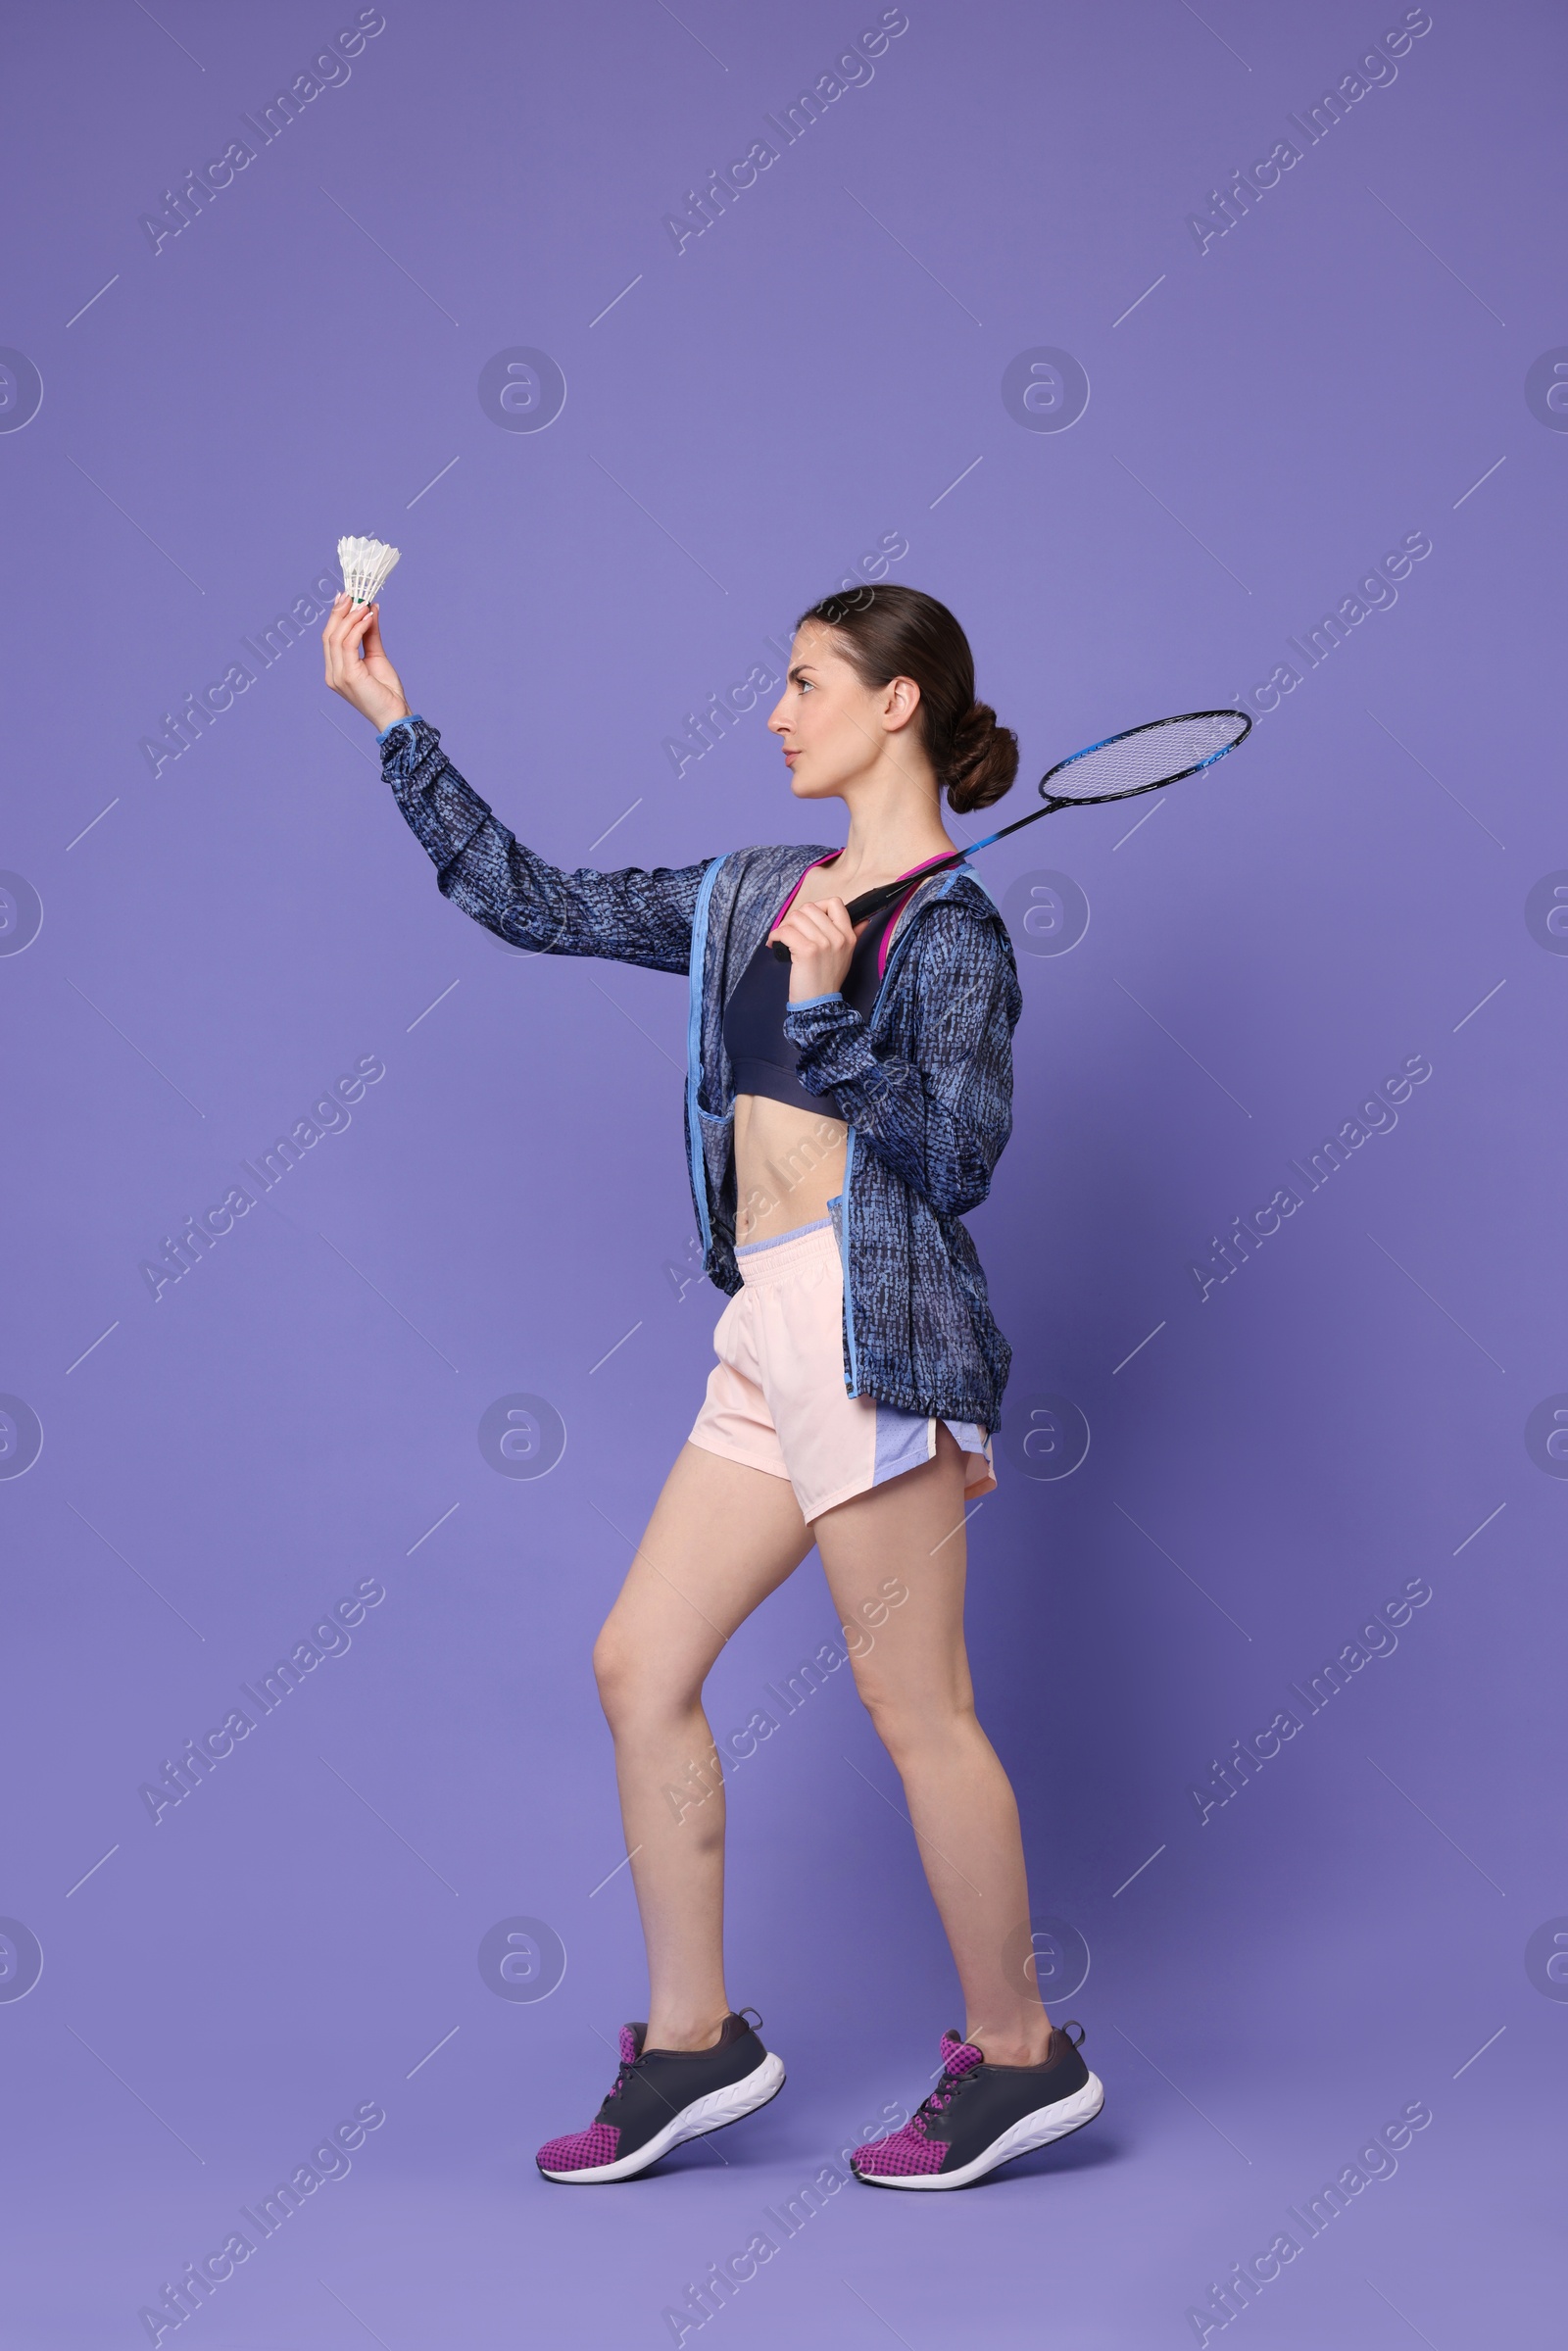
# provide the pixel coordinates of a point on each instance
(1023, 2043)
(685, 2029)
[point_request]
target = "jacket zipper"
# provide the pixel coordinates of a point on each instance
(694, 1041)
(853, 1381)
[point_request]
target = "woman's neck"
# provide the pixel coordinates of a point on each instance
(889, 833)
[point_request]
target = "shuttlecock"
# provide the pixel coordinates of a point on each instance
(366, 565)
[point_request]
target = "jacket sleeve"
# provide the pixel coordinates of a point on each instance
(631, 916)
(940, 1119)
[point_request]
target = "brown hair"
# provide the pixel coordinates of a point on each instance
(892, 631)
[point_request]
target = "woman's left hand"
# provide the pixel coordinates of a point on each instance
(820, 939)
(370, 684)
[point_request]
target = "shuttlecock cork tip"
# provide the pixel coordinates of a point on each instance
(365, 564)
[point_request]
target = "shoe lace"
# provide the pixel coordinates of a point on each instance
(947, 2090)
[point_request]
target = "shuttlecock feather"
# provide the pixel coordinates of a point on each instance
(366, 565)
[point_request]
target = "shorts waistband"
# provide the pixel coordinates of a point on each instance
(774, 1260)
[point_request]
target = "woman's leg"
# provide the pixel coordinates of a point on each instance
(721, 1538)
(912, 1672)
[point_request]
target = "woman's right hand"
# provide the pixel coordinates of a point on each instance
(370, 684)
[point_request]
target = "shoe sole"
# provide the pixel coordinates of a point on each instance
(715, 2112)
(1039, 2130)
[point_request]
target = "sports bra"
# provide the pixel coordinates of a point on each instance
(761, 1058)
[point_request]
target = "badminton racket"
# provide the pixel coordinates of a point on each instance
(1143, 759)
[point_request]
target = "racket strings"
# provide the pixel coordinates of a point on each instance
(1145, 757)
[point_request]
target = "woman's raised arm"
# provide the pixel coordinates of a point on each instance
(632, 917)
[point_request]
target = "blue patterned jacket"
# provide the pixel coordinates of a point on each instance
(925, 1084)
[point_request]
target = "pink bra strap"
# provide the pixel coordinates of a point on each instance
(893, 923)
(886, 935)
(793, 894)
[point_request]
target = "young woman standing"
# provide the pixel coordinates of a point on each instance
(842, 1110)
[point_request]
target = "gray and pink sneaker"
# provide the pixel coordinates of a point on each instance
(980, 2114)
(663, 2096)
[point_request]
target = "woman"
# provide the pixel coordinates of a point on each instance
(843, 1109)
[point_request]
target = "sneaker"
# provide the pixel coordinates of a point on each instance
(980, 2114)
(663, 2096)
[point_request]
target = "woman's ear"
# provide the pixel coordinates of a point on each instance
(900, 701)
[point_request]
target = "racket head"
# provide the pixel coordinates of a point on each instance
(1144, 757)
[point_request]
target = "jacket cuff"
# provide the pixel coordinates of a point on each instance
(406, 742)
(443, 812)
(833, 1044)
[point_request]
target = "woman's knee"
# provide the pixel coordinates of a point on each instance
(616, 1670)
(635, 1686)
(911, 1725)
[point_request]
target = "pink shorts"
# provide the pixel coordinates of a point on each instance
(776, 1400)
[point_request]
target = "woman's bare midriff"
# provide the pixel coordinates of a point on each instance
(789, 1163)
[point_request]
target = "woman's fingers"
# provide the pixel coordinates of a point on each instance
(350, 632)
(329, 635)
(824, 923)
(349, 627)
(820, 937)
(336, 635)
(346, 618)
(370, 685)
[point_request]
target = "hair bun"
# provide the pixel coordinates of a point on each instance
(983, 761)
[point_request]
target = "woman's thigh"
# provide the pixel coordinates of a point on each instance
(721, 1538)
(895, 1561)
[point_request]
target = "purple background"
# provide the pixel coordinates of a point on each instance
(749, 419)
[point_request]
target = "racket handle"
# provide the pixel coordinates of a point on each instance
(871, 902)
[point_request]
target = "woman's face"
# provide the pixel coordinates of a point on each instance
(833, 728)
